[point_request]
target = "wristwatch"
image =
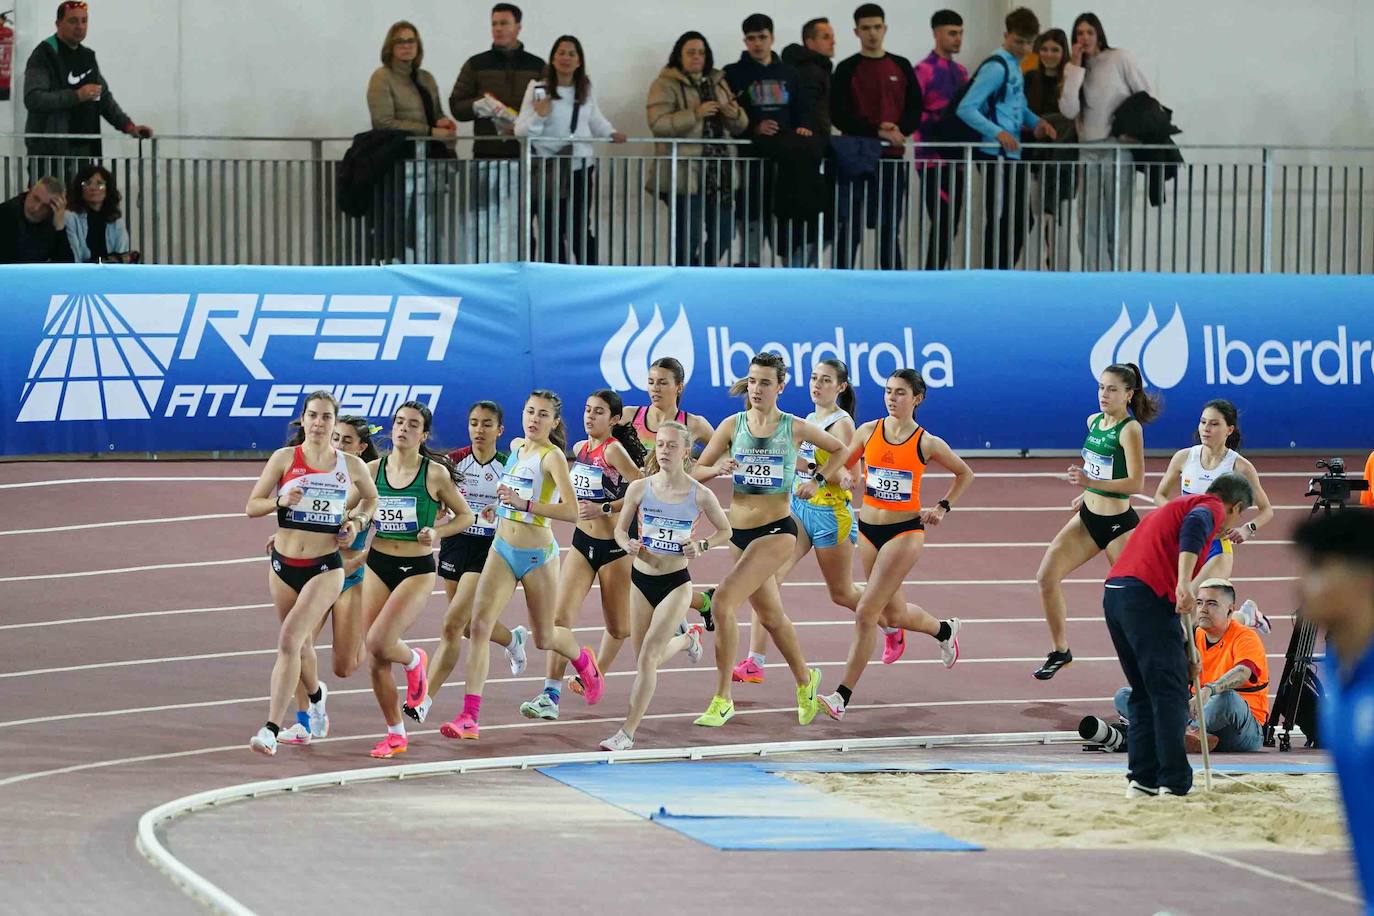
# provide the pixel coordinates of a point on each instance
(944, 504)
(606, 509)
(703, 545)
(1252, 526)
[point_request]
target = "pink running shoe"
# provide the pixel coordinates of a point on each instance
(593, 681)
(894, 644)
(390, 746)
(417, 682)
(747, 672)
(464, 726)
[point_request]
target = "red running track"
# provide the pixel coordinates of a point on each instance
(134, 657)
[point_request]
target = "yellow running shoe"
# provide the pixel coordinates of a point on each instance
(719, 712)
(807, 704)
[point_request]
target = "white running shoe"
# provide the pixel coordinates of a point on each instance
(618, 742)
(515, 652)
(1136, 790)
(541, 707)
(949, 648)
(418, 713)
(264, 742)
(1249, 614)
(694, 643)
(319, 719)
(833, 704)
(296, 734)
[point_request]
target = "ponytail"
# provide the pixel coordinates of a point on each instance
(558, 436)
(624, 433)
(1230, 415)
(1144, 406)
(364, 432)
(845, 400)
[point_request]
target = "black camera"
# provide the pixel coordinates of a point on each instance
(1333, 488)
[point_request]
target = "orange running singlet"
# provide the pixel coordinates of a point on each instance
(893, 476)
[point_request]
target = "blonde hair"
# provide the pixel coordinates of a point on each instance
(651, 466)
(389, 45)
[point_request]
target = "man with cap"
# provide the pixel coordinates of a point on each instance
(65, 93)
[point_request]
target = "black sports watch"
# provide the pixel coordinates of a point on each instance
(944, 504)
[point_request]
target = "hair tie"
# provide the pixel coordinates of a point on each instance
(373, 430)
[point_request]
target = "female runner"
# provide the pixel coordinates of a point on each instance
(826, 521)
(605, 464)
(413, 483)
(1218, 436)
(1113, 469)
(895, 451)
(535, 487)
(462, 555)
(667, 504)
(312, 481)
(352, 435)
(762, 454)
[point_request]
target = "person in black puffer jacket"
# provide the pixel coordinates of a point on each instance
(813, 60)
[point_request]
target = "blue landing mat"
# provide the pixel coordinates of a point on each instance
(740, 806)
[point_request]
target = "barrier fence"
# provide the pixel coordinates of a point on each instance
(267, 200)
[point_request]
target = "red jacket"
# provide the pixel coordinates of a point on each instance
(1151, 553)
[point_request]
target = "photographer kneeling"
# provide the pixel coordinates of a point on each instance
(1235, 677)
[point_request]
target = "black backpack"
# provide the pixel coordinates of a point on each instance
(949, 127)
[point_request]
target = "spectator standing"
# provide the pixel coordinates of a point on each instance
(33, 225)
(95, 226)
(939, 77)
(1337, 592)
(1097, 79)
(562, 104)
(995, 107)
(1053, 168)
(775, 105)
(65, 93)
(488, 91)
(691, 99)
(813, 60)
(875, 94)
(401, 95)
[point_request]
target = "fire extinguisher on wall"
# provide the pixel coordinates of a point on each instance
(6, 54)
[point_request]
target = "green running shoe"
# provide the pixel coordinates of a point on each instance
(807, 704)
(718, 713)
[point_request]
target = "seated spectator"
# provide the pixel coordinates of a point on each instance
(33, 225)
(1055, 173)
(95, 226)
(1235, 676)
(690, 99)
(561, 105)
(403, 96)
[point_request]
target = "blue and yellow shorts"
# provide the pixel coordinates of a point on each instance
(825, 525)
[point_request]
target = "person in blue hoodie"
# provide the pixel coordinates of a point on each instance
(995, 106)
(771, 94)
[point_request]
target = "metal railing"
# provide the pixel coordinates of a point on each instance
(1063, 207)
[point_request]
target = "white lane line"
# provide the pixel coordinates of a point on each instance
(242, 747)
(62, 481)
(1277, 876)
(107, 617)
(131, 569)
(132, 521)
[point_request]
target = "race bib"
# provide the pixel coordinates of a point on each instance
(587, 480)
(664, 535)
(397, 515)
(759, 471)
(320, 506)
(806, 461)
(480, 528)
(888, 484)
(523, 486)
(1098, 467)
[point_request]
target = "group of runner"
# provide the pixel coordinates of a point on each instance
(634, 493)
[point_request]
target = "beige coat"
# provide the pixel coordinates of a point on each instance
(672, 112)
(393, 102)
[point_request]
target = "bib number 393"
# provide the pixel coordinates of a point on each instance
(888, 484)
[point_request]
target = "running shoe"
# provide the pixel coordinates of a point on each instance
(1053, 662)
(515, 652)
(417, 681)
(418, 713)
(390, 746)
(594, 683)
(1137, 790)
(296, 734)
(717, 714)
(747, 672)
(319, 719)
(833, 704)
(949, 648)
(807, 704)
(541, 707)
(618, 742)
(464, 726)
(705, 611)
(576, 686)
(894, 644)
(694, 643)
(1249, 614)
(264, 742)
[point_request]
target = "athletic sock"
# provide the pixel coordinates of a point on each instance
(758, 658)
(274, 728)
(889, 630)
(553, 693)
(303, 718)
(845, 693)
(317, 695)
(399, 729)
(946, 631)
(472, 705)
(414, 660)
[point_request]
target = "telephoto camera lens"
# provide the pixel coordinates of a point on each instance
(1110, 735)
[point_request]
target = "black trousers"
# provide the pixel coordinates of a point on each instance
(1154, 657)
(942, 188)
(1006, 212)
(565, 223)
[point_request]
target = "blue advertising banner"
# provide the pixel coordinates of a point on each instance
(129, 358)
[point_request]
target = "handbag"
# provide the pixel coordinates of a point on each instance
(557, 178)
